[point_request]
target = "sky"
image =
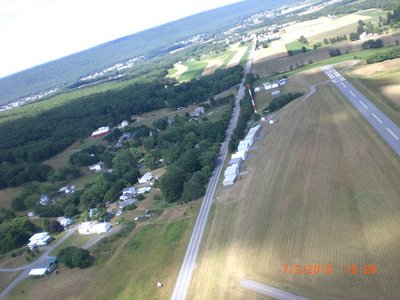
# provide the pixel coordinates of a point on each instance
(36, 31)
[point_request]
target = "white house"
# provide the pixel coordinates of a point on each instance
(123, 124)
(229, 180)
(96, 167)
(39, 239)
(129, 190)
(144, 190)
(197, 112)
(101, 131)
(65, 222)
(44, 200)
(93, 227)
(363, 35)
(275, 93)
(146, 178)
(123, 203)
(42, 269)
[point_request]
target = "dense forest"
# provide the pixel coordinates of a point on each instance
(30, 140)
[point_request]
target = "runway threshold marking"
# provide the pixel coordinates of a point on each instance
(392, 133)
(363, 104)
(379, 120)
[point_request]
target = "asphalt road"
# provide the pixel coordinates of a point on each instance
(189, 262)
(385, 127)
(269, 290)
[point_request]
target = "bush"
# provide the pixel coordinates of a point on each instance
(140, 197)
(75, 257)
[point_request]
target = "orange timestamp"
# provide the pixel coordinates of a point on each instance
(327, 269)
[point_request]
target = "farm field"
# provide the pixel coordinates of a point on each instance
(7, 195)
(322, 188)
(380, 82)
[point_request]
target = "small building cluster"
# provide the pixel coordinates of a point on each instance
(197, 112)
(97, 167)
(67, 189)
(273, 85)
(232, 171)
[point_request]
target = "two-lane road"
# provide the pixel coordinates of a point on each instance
(385, 127)
(189, 262)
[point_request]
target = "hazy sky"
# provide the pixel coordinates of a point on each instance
(36, 31)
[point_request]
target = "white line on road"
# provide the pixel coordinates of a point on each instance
(363, 104)
(392, 134)
(343, 85)
(352, 94)
(379, 120)
(329, 75)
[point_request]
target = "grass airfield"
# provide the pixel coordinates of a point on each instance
(322, 188)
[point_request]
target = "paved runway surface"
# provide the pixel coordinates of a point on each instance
(189, 262)
(385, 127)
(269, 290)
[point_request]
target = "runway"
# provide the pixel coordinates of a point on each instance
(385, 127)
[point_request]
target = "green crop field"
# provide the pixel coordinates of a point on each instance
(296, 46)
(322, 188)
(194, 71)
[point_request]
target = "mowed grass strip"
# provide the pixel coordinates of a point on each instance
(322, 188)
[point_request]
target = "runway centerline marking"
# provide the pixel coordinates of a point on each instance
(392, 133)
(343, 85)
(363, 104)
(379, 120)
(352, 94)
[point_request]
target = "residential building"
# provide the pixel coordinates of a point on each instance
(65, 222)
(39, 239)
(146, 178)
(102, 131)
(96, 167)
(93, 227)
(123, 124)
(197, 112)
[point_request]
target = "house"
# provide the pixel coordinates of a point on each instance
(102, 131)
(146, 178)
(93, 227)
(363, 35)
(275, 93)
(123, 203)
(123, 124)
(144, 190)
(67, 189)
(197, 112)
(39, 239)
(257, 89)
(31, 214)
(65, 222)
(42, 269)
(229, 180)
(129, 190)
(96, 167)
(44, 200)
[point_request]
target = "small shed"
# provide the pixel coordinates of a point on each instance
(275, 93)
(42, 269)
(244, 145)
(232, 170)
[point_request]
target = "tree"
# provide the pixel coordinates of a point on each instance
(123, 162)
(161, 124)
(303, 49)
(326, 41)
(303, 40)
(15, 232)
(172, 183)
(55, 227)
(354, 36)
(74, 257)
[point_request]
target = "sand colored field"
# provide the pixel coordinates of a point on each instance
(378, 68)
(276, 49)
(322, 188)
(393, 93)
(240, 52)
(319, 26)
(213, 64)
(180, 69)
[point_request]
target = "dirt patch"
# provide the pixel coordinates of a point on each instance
(392, 92)
(213, 64)
(375, 69)
(172, 214)
(180, 70)
(240, 52)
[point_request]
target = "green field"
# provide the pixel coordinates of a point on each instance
(296, 46)
(322, 188)
(149, 254)
(194, 71)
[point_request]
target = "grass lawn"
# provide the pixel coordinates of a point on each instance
(149, 254)
(296, 46)
(7, 195)
(77, 240)
(322, 188)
